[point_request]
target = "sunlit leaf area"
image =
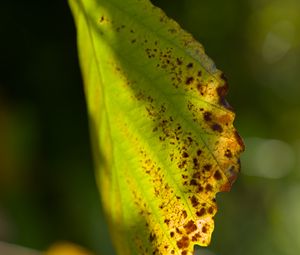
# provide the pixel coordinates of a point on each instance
(48, 192)
(165, 143)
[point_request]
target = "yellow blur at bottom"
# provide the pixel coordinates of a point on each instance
(67, 249)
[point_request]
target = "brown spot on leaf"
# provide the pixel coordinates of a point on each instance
(207, 167)
(228, 153)
(207, 116)
(194, 201)
(182, 164)
(189, 65)
(152, 237)
(210, 210)
(190, 227)
(193, 182)
(184, 214)
(204, 229)
(179, 61)
(196, 175)
(200, 88)
(222, 92)
(196, 163)
(185, 155)
(217, 127)
(226, 187)
(201, 212)
(189, 80)
(172, 234)
(199, 152)
(178, 231)
(183, 242)
(208, 187)
(217, 175)
(232, 174)
(199, 189)
(239, 140)
(196, 237)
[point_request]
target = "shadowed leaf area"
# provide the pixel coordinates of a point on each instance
(162, 131)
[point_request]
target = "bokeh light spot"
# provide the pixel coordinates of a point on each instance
(278, 41)
(268, 158)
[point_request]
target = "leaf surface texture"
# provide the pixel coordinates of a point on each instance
(162, 131)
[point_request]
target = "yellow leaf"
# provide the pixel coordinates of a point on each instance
(162, 131)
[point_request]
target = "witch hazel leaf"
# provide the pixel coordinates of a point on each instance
(162, 131)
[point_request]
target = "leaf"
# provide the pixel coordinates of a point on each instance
(162, 131)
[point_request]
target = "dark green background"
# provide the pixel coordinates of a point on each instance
(47, 187)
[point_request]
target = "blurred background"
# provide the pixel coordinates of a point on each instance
(47, 187)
